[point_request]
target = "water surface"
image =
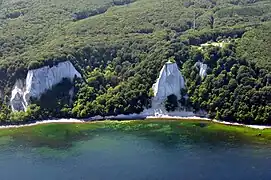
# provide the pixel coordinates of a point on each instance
(153, 150)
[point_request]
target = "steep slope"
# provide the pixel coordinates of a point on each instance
(38, 81)
(120, 46)
(170, 82)
(255, 45)
(46, 29)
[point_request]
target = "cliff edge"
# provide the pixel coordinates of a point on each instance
(39, 81)
(170, 82)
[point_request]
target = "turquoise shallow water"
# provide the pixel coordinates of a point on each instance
(116, 154)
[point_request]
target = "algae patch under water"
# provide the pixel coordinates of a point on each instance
(135, 149)
(62, 136)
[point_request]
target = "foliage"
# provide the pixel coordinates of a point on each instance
(255, 46)
(234, 89)
(171, 103)
(120, 46)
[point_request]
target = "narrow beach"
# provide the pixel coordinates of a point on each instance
(130, 119)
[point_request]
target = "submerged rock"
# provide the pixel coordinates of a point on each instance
(39, 81)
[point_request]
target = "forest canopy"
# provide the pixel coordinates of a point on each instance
(119, 46)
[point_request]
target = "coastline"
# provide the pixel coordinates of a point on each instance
(132, 118)
(260, 127)
(42, 122)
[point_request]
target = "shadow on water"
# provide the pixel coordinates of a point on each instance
(167, 134)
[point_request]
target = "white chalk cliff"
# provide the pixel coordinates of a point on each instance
(39, 81)
(202, 69)
(170, 81)
(17, 101)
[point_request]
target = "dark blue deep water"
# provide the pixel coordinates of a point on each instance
(123, 155)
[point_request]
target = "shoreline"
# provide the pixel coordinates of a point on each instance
(126, 118)
(260, 127)
(42, 122)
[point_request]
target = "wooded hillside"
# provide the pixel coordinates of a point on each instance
(119, 47)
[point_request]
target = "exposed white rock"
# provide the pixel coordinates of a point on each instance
(39, 81)
(170, 81)
(17, 100)
(202, 69)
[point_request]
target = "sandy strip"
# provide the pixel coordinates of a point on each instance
(147, 117)
(178, 117)
(207, 119)
(238, 124)
(43, 122)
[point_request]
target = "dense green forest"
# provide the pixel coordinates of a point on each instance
(119, 46)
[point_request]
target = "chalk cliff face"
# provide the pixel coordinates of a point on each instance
(17, 100)
(202, 69)
(1, 95)
(39, 81)
(170, 81)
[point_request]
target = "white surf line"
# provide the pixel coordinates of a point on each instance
(246, 125)
(261, 127)
(42, 122)
(178, 117)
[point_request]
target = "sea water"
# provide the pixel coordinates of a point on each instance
(157, 152)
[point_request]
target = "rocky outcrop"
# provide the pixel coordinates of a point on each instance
(39, 81)
(170, 82)
(17, 100)
(202, 69)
